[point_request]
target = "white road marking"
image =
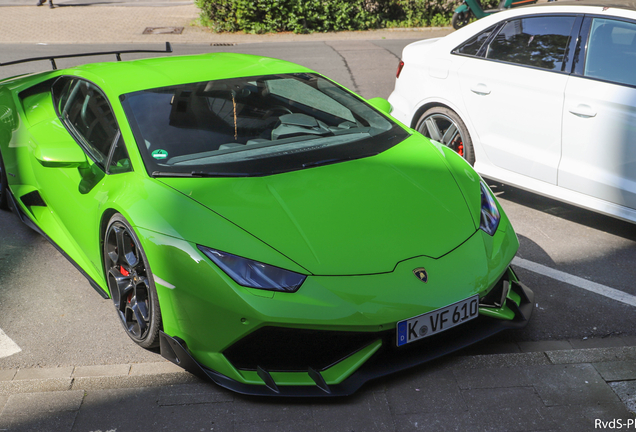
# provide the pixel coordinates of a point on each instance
(7, 346)
(576, 281)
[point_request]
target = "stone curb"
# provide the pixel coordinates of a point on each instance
(93, 377)
(164, 373)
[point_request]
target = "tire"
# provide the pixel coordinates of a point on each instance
(460, 19)
(444, 125)
(4, 188)
(130, 283)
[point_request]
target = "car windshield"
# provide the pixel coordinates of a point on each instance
(254, 126)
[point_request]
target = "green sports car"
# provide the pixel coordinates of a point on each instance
(265, 227)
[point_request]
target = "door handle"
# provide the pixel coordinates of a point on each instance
(480, 89)
(583, 110)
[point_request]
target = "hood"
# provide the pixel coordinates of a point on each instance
(356, 217)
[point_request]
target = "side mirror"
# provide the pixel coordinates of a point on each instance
(54, 147)
(60, 155)
(381, 104)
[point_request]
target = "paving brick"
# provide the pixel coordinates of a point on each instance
(499, 360)
(133, 381)
(365, 411)
(617, 371)
(155, 368)
(7, 374)
(429, 391)
(544, 346)
(136, 409)
(49, 422)
(629, 340)
(101, 371)
(3, 401)
(592, 355)
(30, 404)
(492, 348)
(574, 384)
(282, 426)
(45, 373)
(521, 407)
(492, 378)
(597, 342)
(436, 421)
(190, 394)
(49, 411)
(253, 410)
(577, 418)
(626, 391)
(35, 385)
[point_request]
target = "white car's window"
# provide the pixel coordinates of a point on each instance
(611, 51)
(473, 45)
(538, 41)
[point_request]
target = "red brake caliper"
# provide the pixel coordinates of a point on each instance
(460, 148)
(125, 272)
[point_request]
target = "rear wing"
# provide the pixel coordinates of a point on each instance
(118, 54)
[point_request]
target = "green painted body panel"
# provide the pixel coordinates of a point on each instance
(200, 301)
(379, 210)
(357, 229)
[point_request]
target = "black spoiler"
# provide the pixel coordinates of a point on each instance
(116, 53)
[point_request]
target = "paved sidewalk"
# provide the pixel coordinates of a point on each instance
(555, 390)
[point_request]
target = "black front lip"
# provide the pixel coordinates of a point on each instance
(387, 360)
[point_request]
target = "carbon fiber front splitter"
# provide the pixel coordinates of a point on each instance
(387, 360)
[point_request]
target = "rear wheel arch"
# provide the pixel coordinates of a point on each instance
(103, 226)
(421, 110)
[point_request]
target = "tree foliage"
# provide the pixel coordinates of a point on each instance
(304, 16)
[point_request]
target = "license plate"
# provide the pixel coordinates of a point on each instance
(439, 320)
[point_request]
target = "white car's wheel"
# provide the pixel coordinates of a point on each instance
(444, 125)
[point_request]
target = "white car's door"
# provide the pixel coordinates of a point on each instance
(599, 116)
(513, 91)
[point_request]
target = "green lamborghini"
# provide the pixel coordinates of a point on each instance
(265, 227)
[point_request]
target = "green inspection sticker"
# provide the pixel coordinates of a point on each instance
(159, 154)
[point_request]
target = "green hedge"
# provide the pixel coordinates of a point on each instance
(304, 16)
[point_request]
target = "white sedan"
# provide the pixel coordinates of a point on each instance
(540, 97)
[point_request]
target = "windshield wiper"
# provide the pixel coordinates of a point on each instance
(203, 174)
(336, 160)
(170, 174)
(325, 162)
(224, 174)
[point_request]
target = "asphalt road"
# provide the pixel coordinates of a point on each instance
(53, 315)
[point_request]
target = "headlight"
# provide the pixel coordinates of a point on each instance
(489, 220)
(255, 274)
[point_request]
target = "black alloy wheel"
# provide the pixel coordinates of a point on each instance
(4, 188)
(130, 283)
(444, 126)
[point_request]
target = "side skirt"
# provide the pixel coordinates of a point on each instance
(28, 222)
